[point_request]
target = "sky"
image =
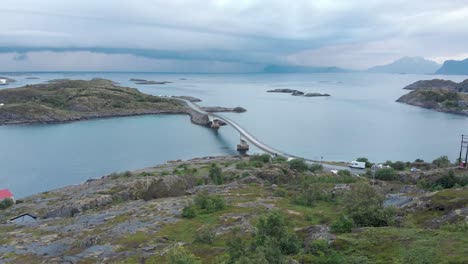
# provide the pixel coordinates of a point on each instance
(226, 36)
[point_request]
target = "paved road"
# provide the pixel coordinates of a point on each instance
(253, 140)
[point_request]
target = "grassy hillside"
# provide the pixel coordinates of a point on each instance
(243, 210)
(69, 100)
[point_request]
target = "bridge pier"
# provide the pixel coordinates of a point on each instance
(243, 147)
(215, 124)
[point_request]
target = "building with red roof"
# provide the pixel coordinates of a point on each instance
(5, 194)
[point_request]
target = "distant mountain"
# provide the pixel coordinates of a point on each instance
(300, 69)
(454, 67)
(417, 65)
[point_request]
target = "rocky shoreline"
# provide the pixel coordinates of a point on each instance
(438, 95)
(64, 101)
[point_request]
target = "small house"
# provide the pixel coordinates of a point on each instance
(22, 219)
(6, 194)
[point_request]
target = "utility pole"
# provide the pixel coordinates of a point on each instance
(373, 168)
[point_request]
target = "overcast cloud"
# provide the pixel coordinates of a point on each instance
(224, 35)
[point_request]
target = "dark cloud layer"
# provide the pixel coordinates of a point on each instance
(238, 34)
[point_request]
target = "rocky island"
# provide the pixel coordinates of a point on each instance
(72, 100)
(296, 92)
(440, 95)
(146, 82)
(207, 210)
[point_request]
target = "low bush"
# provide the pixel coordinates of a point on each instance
(343, 225)
(179, 255)
(205, 235)
(398, 165)
(442, 162)
(265, 158)
(316, 167)
(298, 165)
(6, 203)
(344, 173)
(216, 174)
(279, 159)
(457, 227)
(386, 174)
(210, 203)
(312, 193)
(364, 205)
(189, 211)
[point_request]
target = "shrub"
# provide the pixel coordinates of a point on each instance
(365, 207)
(457, 227)
(385, 174)
(6, 203)
(274, 229)
(256, 164)
(316, 167)
(308, 195)
(237, 247)
(342, 225)
(279, 159)
(216, 174)
(298, 165)
(179, 255)
(205, 235)
(280, 192)
(442, 162)
(398, 165)
(211, 203)
(447, 181)
(265, 158)
(189, 211)
(344, 173)
(242, 165)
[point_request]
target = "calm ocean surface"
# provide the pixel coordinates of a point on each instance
(361, 118)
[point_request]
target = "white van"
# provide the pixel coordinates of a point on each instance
(357, 164)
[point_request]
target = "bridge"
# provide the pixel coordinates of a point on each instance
(242, 147)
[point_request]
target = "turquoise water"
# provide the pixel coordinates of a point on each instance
(361, 118)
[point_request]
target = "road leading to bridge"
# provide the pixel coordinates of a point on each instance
(270, 150)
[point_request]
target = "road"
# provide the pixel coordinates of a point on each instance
(259, 144)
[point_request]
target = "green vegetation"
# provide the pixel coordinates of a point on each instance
(273, 240)
(385, 174)
(189, 211)
(68, 100)
(365, 207)
(209, 203)
(298, 165)
(216, 174)
(442, 162)
(342, 225)
(310, 216)
(206, 235)
(6, 203)
(179, 255)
